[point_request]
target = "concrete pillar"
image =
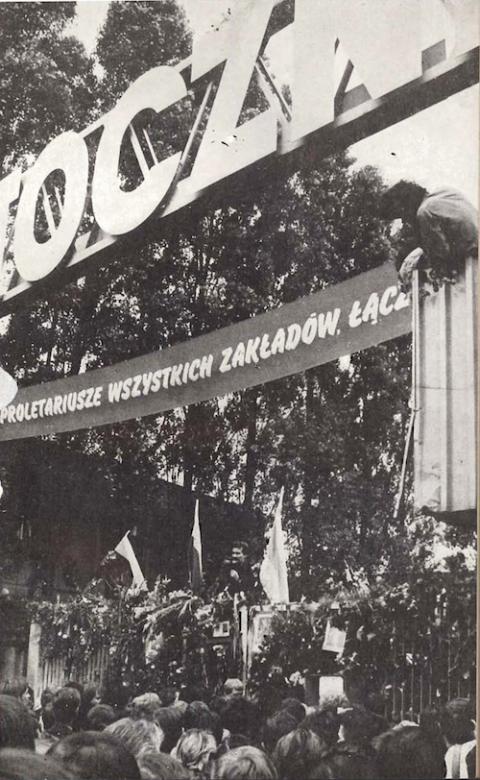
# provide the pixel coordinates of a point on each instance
(34, 670)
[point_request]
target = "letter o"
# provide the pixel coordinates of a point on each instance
(68, 152)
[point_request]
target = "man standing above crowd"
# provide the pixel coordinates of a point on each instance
(440, 271)
(444, 228)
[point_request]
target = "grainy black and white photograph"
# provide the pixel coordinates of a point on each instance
(238, 389)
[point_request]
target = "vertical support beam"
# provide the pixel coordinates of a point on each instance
(34, 675)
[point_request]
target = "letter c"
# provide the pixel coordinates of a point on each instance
(68, 152)
(118, 212)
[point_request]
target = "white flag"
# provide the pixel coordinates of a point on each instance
(195, 553)
(8, 388)
(273, 571)
(125, 549)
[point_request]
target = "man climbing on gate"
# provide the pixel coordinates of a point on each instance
(442, 236)
(444, 230)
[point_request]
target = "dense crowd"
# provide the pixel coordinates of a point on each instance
(72, 734)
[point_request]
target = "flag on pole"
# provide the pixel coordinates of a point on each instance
(273, 571)
(195, 553)
(8, 388)
(124, 548)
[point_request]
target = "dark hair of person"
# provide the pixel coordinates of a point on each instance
(46, 697)
(16, 687)
(76, 686)
(99, 716)
(241, 716)
(16, 724)
(325, 723)
(277, 726)
(16, 764)
(216, 702)
(456, 721)
(95, 756)
(199, 716)
(170, 720)
(408, 753)
(48, 718)
(297, 752)
(89, 694)
(359, 725)
(403, 199)
(429, 722)
(168, 696)
(161, 766)
(232, 742)
(351, 762)
(196, 693)
(243, 763)
(324, 770)
(294, 707)
(66, 704)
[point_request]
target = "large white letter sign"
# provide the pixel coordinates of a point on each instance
(382, 38)
(68, 153)
(115, 210)
(226, 148)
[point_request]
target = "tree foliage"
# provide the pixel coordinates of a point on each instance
(47, 83)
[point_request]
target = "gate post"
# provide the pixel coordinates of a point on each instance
(34, 671)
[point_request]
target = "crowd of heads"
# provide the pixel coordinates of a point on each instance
(72, 734)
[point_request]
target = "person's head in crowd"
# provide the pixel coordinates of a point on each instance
(281, 723)
(138, 735)
(181, 706)
(342, 766)
(233, 687)
(217, 702)
(20, 689)
(21, 764)
(196, 693)
(100, 716)
(195, 749)
(241, 716)
(91, 755)
(408, 753)
(325, 723)
(169, 696)
(358, 726)
(296, 753)
(89, 699)
(199, 716)
(294, 707)
(16, 724)
(352, 762)
(401, 201)
(145, 706)
(231, 742)
(46, 697)
(457, 721)
(65, 706)
(161, 766)
(76, 686)
(243, 763)
(170, 720)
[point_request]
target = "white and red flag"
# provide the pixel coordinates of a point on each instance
(195, 553)
(273, 571)
(125, 549)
